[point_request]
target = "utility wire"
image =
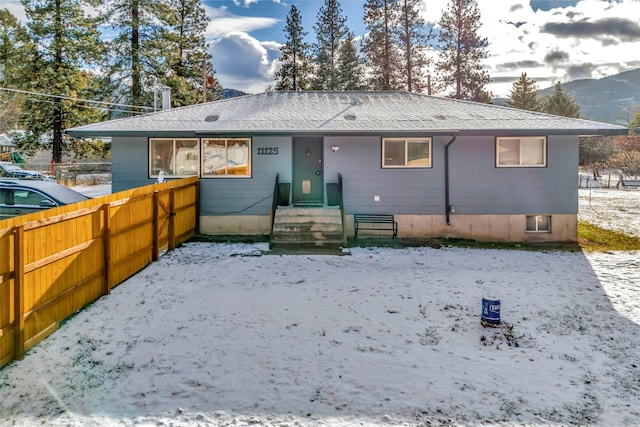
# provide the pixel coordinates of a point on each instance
(81, 106)
(74, 99)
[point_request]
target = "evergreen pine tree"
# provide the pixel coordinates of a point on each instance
(635, 122)
(330, 32)
(294, 72)
(413, 45)
(524, 95)
(132, 54)
(182, 53)
(65, 41)
(459, 66)
(14, 46)
(561, 103)
(380, 47)
(351, 75)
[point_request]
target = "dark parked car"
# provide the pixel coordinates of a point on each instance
(19, 196)
(11, 170)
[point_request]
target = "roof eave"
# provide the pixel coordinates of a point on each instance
(479, 132)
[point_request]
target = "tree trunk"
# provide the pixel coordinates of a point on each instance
(136, 86)
(58, 108)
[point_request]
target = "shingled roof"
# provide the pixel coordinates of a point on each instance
(343, 113)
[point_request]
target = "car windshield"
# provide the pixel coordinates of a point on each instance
(12, 168)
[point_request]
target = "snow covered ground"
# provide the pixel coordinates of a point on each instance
(229, 335)
(617, 210)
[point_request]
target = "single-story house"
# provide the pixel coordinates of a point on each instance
(442, 167)
(6, 145)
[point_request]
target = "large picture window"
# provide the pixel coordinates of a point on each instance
(226, 157)
(521, 152)
(406, 153)
(173, 157)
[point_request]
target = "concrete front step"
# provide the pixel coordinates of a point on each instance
(307, 235)
(308, 212)
(298, 227)
(306, 227)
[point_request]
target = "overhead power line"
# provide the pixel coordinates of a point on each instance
(48, 101)
(74, 99)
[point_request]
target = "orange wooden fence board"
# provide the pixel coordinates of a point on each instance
(54, 262)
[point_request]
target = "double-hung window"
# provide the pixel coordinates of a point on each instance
(226, 157)
(406, 153)
(174, 157)
(521, 152)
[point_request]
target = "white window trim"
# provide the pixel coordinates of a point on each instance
(249, 141)
(544, 152)
(150, 151)
(406, 153)
(549, 218)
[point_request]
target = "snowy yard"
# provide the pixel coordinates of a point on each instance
(617, 210)
(227, 335)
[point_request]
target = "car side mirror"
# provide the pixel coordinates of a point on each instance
(46, 203)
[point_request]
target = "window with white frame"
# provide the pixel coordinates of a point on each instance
(174, 157)
(406, 153)
(521, 152)
(226, 157)
(538, 224)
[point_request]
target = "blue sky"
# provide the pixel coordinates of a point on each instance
(550, 40)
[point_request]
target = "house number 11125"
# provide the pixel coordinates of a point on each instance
(267, 151)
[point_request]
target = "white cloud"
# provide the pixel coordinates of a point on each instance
(245, 3)
(519, 41)
(244, 63)
(222, 23)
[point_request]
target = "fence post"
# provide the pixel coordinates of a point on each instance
(18, 292)
(155, 245)
(172, 216)
(106, 244)
(197, 230)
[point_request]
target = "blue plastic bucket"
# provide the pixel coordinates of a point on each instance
(490, 312)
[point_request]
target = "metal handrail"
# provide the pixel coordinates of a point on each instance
(343, 214)
(274, 204)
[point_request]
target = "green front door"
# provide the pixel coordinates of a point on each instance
(307, 171)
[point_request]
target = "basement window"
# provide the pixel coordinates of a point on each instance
(538, 224)
(521, 152)
(406, 153)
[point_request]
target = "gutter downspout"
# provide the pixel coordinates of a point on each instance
(446, 179)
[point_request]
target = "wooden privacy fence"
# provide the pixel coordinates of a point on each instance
(54, 262)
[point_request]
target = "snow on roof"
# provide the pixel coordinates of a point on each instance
(5, 141)
(343, 112)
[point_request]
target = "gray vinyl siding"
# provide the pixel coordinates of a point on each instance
(129, 163)
(249, 196)
(401, 191)
(479, 187)
(219, 196)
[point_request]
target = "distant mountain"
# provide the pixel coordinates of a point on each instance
(232, 93)
(609, 99)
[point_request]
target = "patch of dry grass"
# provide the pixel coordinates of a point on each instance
(594, 238)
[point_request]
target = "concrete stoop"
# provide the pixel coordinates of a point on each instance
(296, 227)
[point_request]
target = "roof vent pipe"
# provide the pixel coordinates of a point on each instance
(166, 98)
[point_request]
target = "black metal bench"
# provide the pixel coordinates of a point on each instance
(381, 222)
(626, 182)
